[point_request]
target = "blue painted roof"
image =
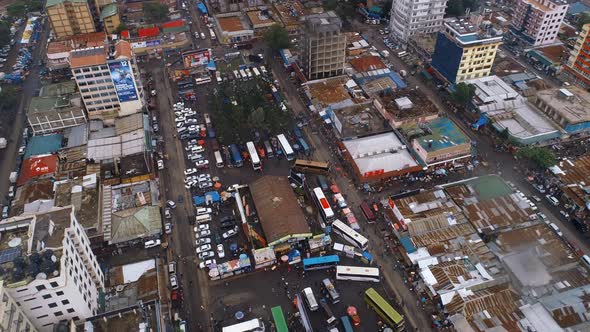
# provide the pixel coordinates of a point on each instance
(47, 144)
(407, 243)
(578, 8)
(445, 133)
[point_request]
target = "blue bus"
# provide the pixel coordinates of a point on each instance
(304, 145)
(346, 324)
(236, 156)
(322, 262)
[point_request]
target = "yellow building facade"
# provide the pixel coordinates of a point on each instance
(477, 61)
(109, 15)
(69, 17)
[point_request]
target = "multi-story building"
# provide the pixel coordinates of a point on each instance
(109, 15)
(12, 317)
(415, 17)
(69, 17)
(537, 21)
(323, 46)
(578, 64)
(108, 80)
(462, 52)
(53, 275)
(569, 108)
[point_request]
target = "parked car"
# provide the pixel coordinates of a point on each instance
(206, 254)
(230, 233)
(190, 171)
(207, 263)
(173, 281)
(167, 214)
(203, 248)
(171, 204)
(201, 211)
(220, 251)
(203, 240)
(168, 228)
(151, 243)
(160, 164)
(204, 233)
(201, 227)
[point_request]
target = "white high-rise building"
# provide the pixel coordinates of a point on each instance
(414, 17)
(49, 268)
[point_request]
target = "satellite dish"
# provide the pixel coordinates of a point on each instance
(41, 276)
(15, 242)
(54, 258)
(120, 288)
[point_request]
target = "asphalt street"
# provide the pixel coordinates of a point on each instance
(9, 155)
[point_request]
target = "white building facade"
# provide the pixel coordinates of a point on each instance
(12, 318)
(69, 293)
(414, 17)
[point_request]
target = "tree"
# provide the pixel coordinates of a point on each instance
(584, 19)
(8, 98)
(455, 8)
(540, 156)
(120, 28)
(277, 37)
(463, 93)
(155, 12)
(17, 9)
(4, 33)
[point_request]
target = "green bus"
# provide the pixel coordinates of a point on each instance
(384, 310)
(279, 318)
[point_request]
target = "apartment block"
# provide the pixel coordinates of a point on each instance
(323, 46)
(50, 271)
(69, 17)
(537, 21)
(109, 15)
(578, 65)
(108, 80)
(463, 52)
(416, 17)
(12, 317)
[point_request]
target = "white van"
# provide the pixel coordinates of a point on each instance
(402, 54)
(202, 211)
(553, 200)
(218, 159)
(151, 243)
(310, 299)
(172, 268)
(204, 218)
(556, 229)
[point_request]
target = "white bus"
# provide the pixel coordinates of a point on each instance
(248, 73)
(203, 80)
(256, 164)
(218, 159)
(350, 235)
(286, 147)
(323, 205)
(256, 72)
(236, 75)
(207, 119)
(253, 325)
(243, 74)
(357, 273)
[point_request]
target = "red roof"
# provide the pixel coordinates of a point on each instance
(148, 32)
(367, 63)
(173, 24)
(125, 34)
(36, 167)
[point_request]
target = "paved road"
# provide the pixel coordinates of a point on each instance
(181, 248)
(9, 155)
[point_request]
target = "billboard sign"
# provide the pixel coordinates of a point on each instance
(196, 58)
(143, 44)
(122, 77)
